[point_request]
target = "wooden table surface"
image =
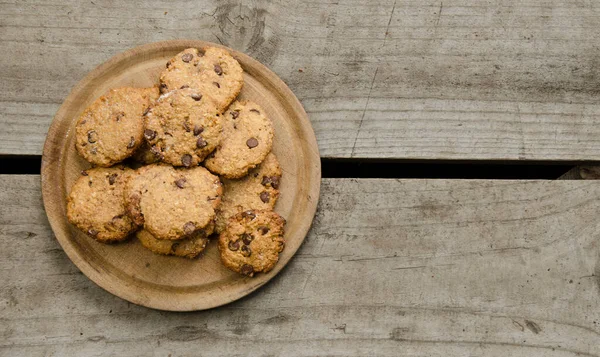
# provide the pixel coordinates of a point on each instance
(391, 267)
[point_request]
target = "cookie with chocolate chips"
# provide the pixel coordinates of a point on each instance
(246, 139)
(183, 127)
(112, 128)
(252, 241)
(258, 190)
(95, 204)
(212, 71)
(189, 247)
(172, 203)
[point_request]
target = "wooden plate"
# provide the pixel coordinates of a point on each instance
(171, 283)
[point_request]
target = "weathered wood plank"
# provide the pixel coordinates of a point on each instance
(380, 79)
(390, 268)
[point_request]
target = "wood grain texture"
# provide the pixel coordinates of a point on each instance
(133, 272)
(390, 268)
(428, 79)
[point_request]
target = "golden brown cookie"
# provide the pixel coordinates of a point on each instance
(252, 241)
(112, 128)
(183, 127)
(172, 203)
(258, 190)
(212, 71)
(95, 204)
(187, 247)
(246, 140)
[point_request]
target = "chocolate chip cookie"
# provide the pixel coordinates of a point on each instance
(172, 203)
(187, 247)
(252, 241)
(95, 204)
(212, 71)
(246, 140)
(183, 127)
(112, 128)
(258, 190)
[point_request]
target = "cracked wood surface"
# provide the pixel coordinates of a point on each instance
(411, 79)
(390, 267)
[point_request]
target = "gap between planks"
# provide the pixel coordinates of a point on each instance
(399, 169)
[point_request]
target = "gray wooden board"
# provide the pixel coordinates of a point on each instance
(390, 268)
(425, 79)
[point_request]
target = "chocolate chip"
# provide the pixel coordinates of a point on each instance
(218, 69)
(198, 129)
(217, 84)
(235, 114)
(84, 173)
(186, 160)
(92, 136)
(149, 134)
(263, 230)
(135, 210)
(112, 178)
(275, 182)
(271, 180)
(186, 126)
(120, 116)
(248, 214)
(92, 232)
(247, 269)
(201, 143)
(264, 196)
(184, 86)
(252, 143)
(180, 182)
(187, 57)
(254, 110)
(247, 238)
(163, 88)
(233, 246)
(196, 96)
(168, 64)
(146, 111)
(246, 251)
(189, 228)
(234, 126)
(131, 143)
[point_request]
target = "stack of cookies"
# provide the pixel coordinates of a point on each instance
(179, 163)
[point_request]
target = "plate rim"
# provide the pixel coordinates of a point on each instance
(97, 276)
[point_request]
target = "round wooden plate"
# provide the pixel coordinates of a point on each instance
(132, 272)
